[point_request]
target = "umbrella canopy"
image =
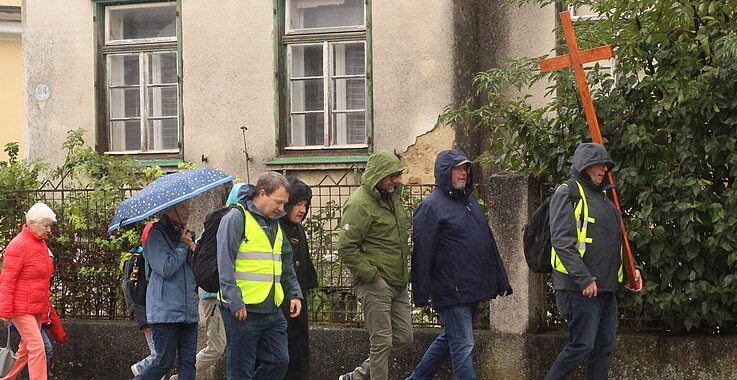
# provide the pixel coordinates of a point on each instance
(166, 191)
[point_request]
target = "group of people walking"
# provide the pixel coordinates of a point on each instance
(456, 263)
(263, 264)
(258, 318)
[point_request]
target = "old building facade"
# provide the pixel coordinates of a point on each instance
(307, 87)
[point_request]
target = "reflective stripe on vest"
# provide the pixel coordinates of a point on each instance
(258, 265)
(582, 224)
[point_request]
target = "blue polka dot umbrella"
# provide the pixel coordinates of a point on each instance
(166, 191)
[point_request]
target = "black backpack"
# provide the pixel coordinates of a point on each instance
(135, 281)
(205, 259)
(536, 234)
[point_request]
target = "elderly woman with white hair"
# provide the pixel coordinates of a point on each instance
(25, 283)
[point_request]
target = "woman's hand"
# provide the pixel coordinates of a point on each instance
(6, 321)
(187, 239)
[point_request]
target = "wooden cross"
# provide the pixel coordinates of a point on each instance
(576, 59)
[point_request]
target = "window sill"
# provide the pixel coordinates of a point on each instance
(164, 163)
(164, 160)
(317, 162)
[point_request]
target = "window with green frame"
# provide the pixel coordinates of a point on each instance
(138, 77)
(325, 87)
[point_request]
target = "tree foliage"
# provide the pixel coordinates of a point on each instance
(668, 117)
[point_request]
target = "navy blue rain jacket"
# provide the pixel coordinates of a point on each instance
(455, 259)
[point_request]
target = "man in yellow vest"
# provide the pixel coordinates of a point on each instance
(256, 275)
(586, 236)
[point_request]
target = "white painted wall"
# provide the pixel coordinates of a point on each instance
(228, 59)
(58, 50)
(413, 69)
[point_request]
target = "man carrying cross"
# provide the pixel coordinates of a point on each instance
(590, 252)
(587, 263)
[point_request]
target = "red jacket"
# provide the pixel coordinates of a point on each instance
(25, 276)
(55, 327)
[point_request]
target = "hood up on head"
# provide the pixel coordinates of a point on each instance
(380, 164)
(588, 154)
(444, 164)
(300, 192)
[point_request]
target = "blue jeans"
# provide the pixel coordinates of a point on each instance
(148, 360)
(260, 336)
(455, 343)
(170, 338)
(592, 329)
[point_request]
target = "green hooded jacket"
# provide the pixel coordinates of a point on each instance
(373, 239)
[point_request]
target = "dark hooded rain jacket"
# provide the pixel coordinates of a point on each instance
(455, 259)
(602, 258)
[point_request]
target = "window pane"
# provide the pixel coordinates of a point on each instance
(143, 21)
(350, 94)
(349, 128)
(125, 102)
(349, 59)
(163, 134)
(307, 95)
(162, 101)
(306, 61)
(124, 70)
(162, 68)
(307, 14)
(125, 135)
(308, 129)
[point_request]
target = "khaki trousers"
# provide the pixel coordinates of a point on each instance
(388, 316)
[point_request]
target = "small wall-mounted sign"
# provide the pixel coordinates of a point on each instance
(42, 92)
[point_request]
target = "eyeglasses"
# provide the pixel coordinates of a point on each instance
(395, 176)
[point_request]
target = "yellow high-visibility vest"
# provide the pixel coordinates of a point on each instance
(581, 213)
(258, 265)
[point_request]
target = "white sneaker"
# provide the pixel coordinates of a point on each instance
(134, 369)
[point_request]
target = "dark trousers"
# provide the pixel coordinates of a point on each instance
(261, 336)
(592, 329)
(298, 335)
(170, 338)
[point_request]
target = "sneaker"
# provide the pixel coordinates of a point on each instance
(347, 376)
(134, 369)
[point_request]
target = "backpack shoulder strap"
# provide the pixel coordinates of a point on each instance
(242, 209)
(573, 190)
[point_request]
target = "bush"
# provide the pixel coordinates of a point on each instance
(668, 119)
(84, 192)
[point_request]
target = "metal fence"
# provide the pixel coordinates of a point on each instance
(86, 280)
(335, 300)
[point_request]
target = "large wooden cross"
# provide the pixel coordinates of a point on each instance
(576, 59)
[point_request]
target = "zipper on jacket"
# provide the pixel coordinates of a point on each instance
(399, 235)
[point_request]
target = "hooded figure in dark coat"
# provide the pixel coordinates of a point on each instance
(587, 266)
(297, 328)
(455, 263)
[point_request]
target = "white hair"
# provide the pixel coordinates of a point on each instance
(39, 212)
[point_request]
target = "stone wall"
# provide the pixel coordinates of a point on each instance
(106, 349)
